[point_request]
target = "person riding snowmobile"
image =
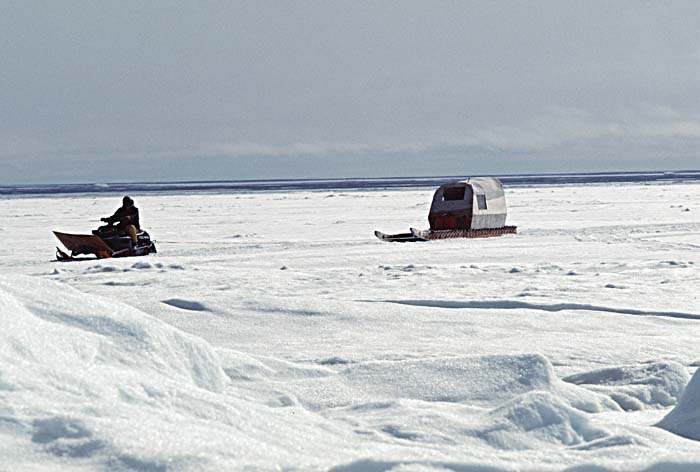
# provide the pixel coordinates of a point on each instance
(122, 236)
(126, 218)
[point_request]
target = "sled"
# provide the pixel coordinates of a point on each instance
(471, 208)
(82, 244)
(113, 245)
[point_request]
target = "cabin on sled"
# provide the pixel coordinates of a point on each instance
(475, 203)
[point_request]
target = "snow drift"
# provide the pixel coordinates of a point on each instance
(477, 380)
(103, 383)
(635, 387)
(684, 419)
(84, 378)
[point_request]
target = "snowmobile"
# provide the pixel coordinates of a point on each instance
(104, 242)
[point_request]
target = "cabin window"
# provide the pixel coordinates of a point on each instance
(453, 193)
(481, 202)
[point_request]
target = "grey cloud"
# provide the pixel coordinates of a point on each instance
(224, 89)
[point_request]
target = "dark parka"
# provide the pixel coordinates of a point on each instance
(124, 216)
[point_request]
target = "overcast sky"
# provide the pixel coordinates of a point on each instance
(156, 90)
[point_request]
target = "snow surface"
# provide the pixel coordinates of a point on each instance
(273, 331)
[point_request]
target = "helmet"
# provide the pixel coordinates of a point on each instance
(127, 201)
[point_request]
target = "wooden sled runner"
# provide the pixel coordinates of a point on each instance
(429, 234)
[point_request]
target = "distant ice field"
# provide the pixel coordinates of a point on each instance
(343, 184)
(274, 331)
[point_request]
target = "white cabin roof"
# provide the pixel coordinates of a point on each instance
(492, 188)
